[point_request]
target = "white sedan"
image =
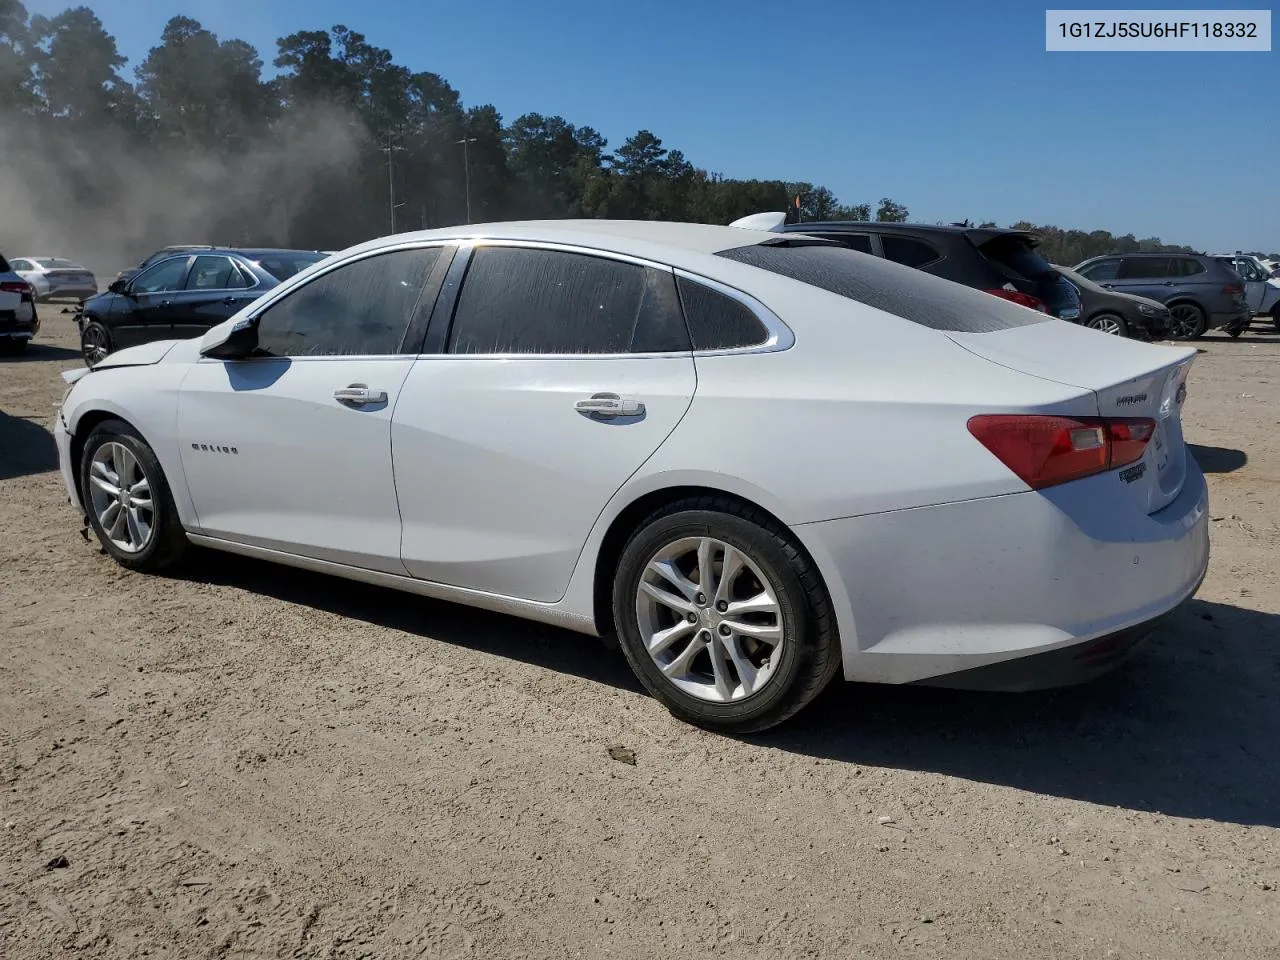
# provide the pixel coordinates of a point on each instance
(757, 460)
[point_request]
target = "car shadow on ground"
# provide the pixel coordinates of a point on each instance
(560, 650)
(1189, 727)
(26, 447)
(36, 352)
(1218, 459)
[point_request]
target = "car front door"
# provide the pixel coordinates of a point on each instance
(1255, 281)
(290, 449)
(561, 373)
(143, 313)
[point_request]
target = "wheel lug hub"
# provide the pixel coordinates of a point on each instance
(725, 630)
(722, 606)
(693, 618)
(702, 599)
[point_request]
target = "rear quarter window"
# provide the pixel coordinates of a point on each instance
(902, 291)
(907, 250)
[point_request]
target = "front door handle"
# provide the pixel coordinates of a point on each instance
(609, 405)
(358, 394)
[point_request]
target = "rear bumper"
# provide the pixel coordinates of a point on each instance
(1234, 318)
(936, 592)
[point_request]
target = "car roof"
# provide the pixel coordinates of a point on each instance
(641, 238)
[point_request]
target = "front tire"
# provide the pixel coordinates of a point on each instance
(1111, 323)
(127, 500)
(95, 343)
(1188, 321)
(723, 617)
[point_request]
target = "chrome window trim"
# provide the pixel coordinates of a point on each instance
(257, 281)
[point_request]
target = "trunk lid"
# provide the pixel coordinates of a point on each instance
(1128, 378)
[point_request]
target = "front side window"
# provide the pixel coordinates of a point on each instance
(215, 273)
(359, 309)
(164, 276)
(521, 300)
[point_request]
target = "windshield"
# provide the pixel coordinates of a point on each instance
(282, 266)
(902, 291)
(1016, 253)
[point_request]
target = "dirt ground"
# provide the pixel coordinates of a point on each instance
(247, 761)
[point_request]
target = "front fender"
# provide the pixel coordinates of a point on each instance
(145, 397)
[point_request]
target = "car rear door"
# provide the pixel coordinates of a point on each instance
(1146, 277)
(1255, 280)
(291, 451)
(538, 394)
(216, 287)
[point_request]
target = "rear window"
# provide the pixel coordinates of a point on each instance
(55, 263)
(902, 291)
(1016, 253)
(282, 266)
(907, 251)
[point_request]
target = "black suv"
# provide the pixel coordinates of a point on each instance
(1201, 293)
(1001, 262)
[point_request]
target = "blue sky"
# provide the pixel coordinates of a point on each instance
(954, 109)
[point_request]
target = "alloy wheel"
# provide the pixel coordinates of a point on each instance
(93, 345)
(1105, 324)
(1185, 319)
(120, 493)
(710, 619)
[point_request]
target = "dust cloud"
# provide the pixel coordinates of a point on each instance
(106, 199)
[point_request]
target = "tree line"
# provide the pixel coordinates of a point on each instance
(338, 144)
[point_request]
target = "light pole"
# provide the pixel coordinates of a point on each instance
(389, 150)
(466, 171)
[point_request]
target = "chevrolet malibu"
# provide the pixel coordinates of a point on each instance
(756, 460)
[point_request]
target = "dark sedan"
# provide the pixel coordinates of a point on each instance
(183, 295)
(1122, 314)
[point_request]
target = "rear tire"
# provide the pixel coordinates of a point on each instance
(127, 500)
(752, 668)
(1188, 321)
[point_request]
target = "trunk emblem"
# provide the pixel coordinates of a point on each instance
(1130, 400)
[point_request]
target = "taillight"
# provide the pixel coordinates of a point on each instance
(1233, 288)
(1044, 451)
(15, 286)
(1017, 296)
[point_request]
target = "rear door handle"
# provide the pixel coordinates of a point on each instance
(358, 394)
(609, 405)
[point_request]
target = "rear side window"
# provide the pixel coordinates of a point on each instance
(854, 241)
(360, 309)
(529, 301)
(907, 293)
(907, 250)
(1016, 253)
(1186, 267)
(214, 273)
(716, 320)
(1145, 268)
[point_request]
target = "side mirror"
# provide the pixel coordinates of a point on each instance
(119, 286)
(238, 342)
